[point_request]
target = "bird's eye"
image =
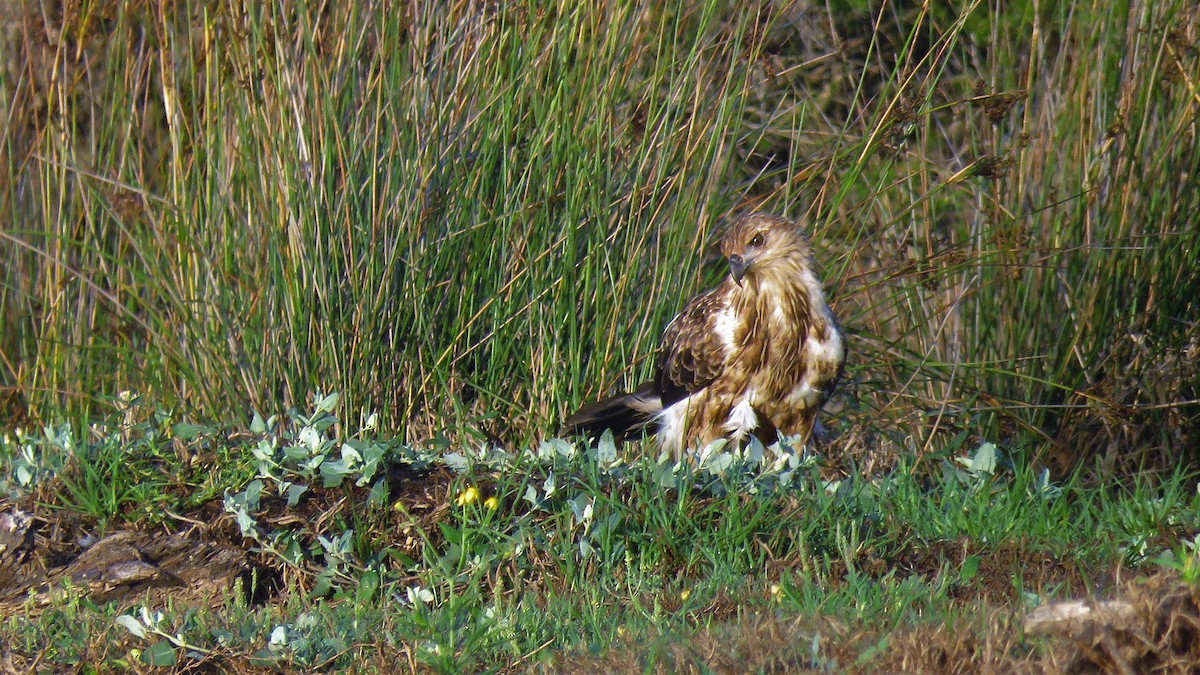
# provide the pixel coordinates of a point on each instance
(757, 240)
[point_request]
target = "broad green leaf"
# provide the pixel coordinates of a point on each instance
(970, 568)
(160, 655)
(187, 431)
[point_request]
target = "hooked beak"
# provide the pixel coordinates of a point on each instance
(737, 268)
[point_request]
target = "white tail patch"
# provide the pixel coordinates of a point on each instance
(742, 420)
(672, 425)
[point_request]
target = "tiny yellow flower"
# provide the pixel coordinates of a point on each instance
(468, 496)
(776, 592)
(622, 631)
(492, 503)
(685, 594)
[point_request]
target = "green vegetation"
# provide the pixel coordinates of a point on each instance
(560, 555)
(468, 218)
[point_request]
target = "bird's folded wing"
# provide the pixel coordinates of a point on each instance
(693, 352)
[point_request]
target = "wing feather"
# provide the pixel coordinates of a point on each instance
(693, 353)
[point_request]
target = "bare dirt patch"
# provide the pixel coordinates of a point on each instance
(38, 564)
(42, 552)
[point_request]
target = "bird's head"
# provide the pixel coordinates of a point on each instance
(759, 243)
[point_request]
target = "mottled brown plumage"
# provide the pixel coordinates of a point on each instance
(757, 355)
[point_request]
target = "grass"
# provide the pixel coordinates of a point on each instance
(473, 220)
(570, 557)
(468, 219)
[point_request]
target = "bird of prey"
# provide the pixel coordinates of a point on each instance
(756, 356)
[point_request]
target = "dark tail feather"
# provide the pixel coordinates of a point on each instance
(626, 414)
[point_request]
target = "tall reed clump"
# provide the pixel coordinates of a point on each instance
(1037, 232)
(477, 215)
(434, 209)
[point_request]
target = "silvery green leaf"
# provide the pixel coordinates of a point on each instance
(367, 472)
(350, 455)
(664, 475)
(254, 493)
(754, 451)
(160, 655)
(984, 461)
(531, 495)
(264, 451)
(549, 486)
(796, 460)
(718, 462)
(952, 473)
(793, 443)
(246, 523)
(379, 493)
(188, 431)
(606, 450)
(132, 625)
(294, 492)
(711, 449)
(327, 403)
(1045, 488)
(311, 438)
(333, 473)
(555, 447)
(499, 456)
(326, 544)
(581, 506)
(258, 425)
(313, 463)
(455, 461)
(374, 452)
